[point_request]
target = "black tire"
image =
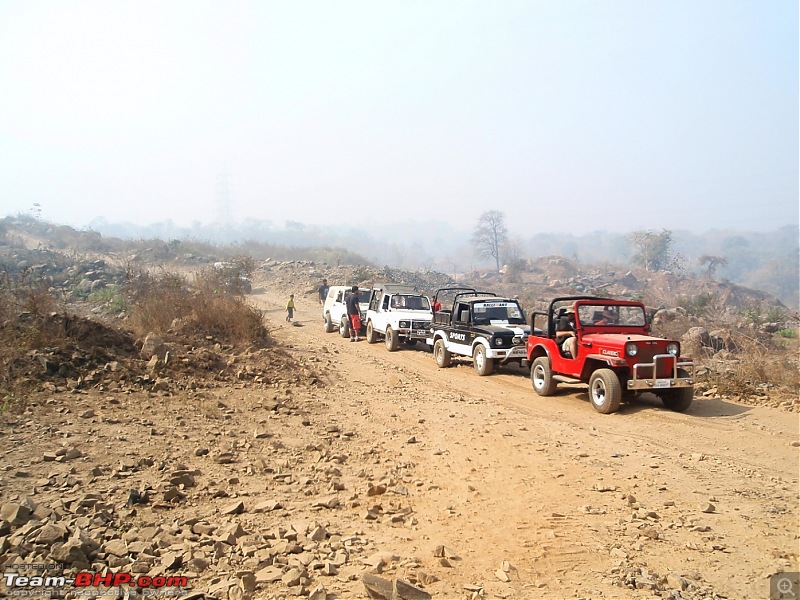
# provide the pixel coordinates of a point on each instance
(392, 340)
(344, 327)
(605, 391)
(372, 337)
(679, 399)
(542, 377)
(483, 365)
(441, 354)
(329, 328)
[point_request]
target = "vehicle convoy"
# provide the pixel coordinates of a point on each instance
(616, 354)
(334, 309)
(399, 314)
(480, 325)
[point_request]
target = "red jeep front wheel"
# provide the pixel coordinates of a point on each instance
(605, 391)
(679, 399)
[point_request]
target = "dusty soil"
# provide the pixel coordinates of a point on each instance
(379, 462)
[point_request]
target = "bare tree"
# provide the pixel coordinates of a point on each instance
(490, 236)
(713, 262)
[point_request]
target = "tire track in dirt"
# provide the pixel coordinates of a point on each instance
(511, 476)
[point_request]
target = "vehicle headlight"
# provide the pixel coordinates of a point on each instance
(673, 348)
(405, 324)
(631, 349)
(498, 341)
(517, 340)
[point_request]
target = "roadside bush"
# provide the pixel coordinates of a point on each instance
(110, 298)
(25, 305)
(167, 302)
(755, 369)
(697, 306)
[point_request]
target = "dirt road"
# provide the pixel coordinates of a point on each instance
(550, 495)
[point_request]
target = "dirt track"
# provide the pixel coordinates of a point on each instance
(469, 486)
(575, 501)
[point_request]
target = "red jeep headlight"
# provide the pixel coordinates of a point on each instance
(673, 348)
(631, 349)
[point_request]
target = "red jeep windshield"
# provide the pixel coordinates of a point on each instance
(611, 315)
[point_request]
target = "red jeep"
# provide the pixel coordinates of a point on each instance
(615, 354)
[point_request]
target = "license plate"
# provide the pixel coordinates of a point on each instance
(421, 332)
(663, 383)
(517, 352)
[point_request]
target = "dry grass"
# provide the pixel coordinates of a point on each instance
(25, 305)
(206, 307)
(751, 363)
(756, 368)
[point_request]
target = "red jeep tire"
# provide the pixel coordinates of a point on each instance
(605, 391)
(679, 399)
(542, 377)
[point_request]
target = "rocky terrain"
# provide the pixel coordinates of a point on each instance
(325, 469)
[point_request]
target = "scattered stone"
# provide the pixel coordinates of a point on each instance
(267, 506)
(269, 574)
(318, 593)
(224, 458)
(408, 591)
(236, 508)
(16, 514)
(378, 588)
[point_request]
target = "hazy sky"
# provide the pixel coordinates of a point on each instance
(566, 115)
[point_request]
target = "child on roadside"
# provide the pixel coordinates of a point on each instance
(290, 308)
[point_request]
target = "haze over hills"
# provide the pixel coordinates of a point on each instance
(767, 261)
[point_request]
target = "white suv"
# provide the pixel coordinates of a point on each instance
(334, 311)
(397, 312)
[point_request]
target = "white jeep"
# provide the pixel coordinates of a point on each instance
(334, 310)
(397, 312)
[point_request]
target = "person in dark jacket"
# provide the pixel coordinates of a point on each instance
(323, 291)
(354, 313)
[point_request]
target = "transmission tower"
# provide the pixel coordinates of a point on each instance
(224, 213)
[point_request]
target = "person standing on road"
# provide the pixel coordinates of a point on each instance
(354, 313)
(290, 309)
(323, 291)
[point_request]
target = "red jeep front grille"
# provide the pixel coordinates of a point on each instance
(666, 364)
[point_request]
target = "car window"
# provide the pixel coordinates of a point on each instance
(502, 311)
(611, 315)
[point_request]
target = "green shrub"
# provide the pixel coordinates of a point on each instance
(109, 297)
(696, 306)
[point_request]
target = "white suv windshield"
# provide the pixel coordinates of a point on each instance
(410, 302)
